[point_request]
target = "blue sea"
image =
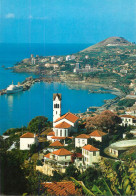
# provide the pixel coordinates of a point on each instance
(18, 109)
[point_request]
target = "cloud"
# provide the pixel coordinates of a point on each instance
(10, 15)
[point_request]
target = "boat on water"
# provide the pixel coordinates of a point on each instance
(14, 88)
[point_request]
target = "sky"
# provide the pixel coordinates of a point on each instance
(66, 21)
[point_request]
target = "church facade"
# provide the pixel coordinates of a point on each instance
(63, 125)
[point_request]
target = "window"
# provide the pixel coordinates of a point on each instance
(94, 153)
(79, 142)
(83, 141)
(57, 105)
(65, 132)
(28, 145)
(65, 157)
(57, 132)
(56, 112)
(60, 133)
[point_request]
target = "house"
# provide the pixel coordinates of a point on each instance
(90, 155)
(55, 138)
(63, 125)
(57, 160)
(62, 188)
(54, 146)
(117, 148)
(50, 135)
(81, 140)
(26, 141)
(98, 135)
(128, 120)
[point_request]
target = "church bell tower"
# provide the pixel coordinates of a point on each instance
(56, 106)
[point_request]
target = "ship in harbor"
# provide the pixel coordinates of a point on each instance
(14, 88)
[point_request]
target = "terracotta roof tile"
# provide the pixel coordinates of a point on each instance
(61, 188)
(62, 152)
(97, 133)
(83, 136)
(90, 148)
(60, 138)
(128, 116)
(27, 135)
(69, 116)
(47, 155)
(56, 143)
(63, 125)
(51, 133)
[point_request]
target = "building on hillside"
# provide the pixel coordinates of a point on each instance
(98, 135)
(26, 141)
(50, 135)
(81, 140)
(68, 58)
(57, 160)
(55, 146)
(63, 125)
(128, 120)
(66, 188)
(117, 148)
(90, 155)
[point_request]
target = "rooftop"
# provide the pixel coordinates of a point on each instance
(128, 116)
(97, 133)
(27, 135)
(63, 125)
(61, 188)
(56, 143)
(57, 95)
(83, 136)
(69, 116)
(62, 152)
(47, 155)
(90, 148)
(51, 133)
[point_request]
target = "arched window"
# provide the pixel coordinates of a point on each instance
(60, 133)
(57, 132)
(58, 105)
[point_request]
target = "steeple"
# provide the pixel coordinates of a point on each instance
(56, 106)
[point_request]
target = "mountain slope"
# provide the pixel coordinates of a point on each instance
(111, 41)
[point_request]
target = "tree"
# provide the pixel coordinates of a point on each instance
(38, 123)
(72, 171)
(105, 120)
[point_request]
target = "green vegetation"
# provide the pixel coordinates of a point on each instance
(126, 102)
(37, 124)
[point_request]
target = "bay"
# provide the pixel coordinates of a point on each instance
(18, 109)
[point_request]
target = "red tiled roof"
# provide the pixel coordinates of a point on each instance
(47, 155)
(83, 136)
(27, 135)
(69, 116)
(97, 133)
(61, 188)
(56, 143)
(51, 133)
(128, 116)
(60, 138)
(62, 152)
(90, 148)
(63, 125)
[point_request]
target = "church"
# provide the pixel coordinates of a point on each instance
(65, 124)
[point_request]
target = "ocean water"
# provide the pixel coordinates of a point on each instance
(18, 109)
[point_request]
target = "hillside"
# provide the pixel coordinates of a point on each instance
(111, 41)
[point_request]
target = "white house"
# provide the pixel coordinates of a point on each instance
(54, 146)
(57, 160)
(63, 125)
(26, 141)
(128, 120)
(90, 155)
(81, 140)
(98, 135)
